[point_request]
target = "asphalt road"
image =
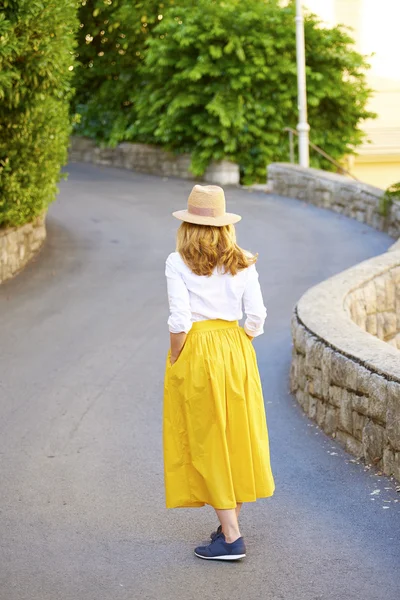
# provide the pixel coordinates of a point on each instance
(83, 339)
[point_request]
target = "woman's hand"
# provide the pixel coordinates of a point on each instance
(173, 359)
(177, 342)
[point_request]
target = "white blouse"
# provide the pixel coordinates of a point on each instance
(221, 296)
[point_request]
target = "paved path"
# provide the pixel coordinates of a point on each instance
(83, 339)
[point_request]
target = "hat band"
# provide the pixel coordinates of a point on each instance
(204, 211)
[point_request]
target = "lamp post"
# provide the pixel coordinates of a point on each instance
(302, 127)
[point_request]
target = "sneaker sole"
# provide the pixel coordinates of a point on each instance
(228, 557)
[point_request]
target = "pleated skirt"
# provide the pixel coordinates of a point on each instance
(215, 436)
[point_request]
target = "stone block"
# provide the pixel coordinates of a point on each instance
(354, 446)
(27, 228)
(397, 339)
(12, 243)
(363, 381)
(390, 292)
(300, 339)
(371, 324)
(326, 198)
(326, 371)
(293, 385)
(359, 422)
(39, 233)
(303, 399)
(314, 382)
(331, 419)
(34, 246)
(321, 413)
(343, 371)
(388, 461)
(380, 326)
(341, 437)
(378, 397)
(294, 324)
(370, 298)
(360, 403)
(18, 245)
(380, 291)
(369, 214)
(301, 376)
(386, 325)
(395, 272)
(384, 287)
(297, 376)
(338, 369)
(312, 407)
(396, 466)
(350, 443)
(373, 438)
(345, 412)
(358, 314)
(306, 403)
(335, 395)
(314, 352)
(78, 143)
(393, 415)
(222, 173)
(299, 394)
(359, 297)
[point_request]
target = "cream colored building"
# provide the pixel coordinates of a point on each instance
(375, 27)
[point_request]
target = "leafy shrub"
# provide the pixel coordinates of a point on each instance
(111, 45)
(216, 78)
(220, 82)
(36, 47)
(392, 193)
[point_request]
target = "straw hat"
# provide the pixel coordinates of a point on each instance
(206, 206)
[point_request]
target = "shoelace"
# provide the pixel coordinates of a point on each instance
(218, 535)
(219, 530)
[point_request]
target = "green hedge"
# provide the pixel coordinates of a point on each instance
(111, 45)
(220, 82)
(36, 61)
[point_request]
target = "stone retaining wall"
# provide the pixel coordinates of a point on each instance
(150, 159)
(336, 192)
(18, 245)
(346, 379)
(375, 306)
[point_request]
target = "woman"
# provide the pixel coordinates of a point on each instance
(216, 448)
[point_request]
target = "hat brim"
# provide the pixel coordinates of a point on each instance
(225, 219)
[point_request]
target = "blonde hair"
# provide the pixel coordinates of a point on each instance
(204, 247)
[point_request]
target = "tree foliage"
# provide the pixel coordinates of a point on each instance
(111, 45)
(392, 193)
(217, 78)
(36, 47)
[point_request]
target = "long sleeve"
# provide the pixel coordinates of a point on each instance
(253, 304)
(179, 302)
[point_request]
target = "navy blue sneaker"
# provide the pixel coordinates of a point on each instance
(215, 533)
(219, 549)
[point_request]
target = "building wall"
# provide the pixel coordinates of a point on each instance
(375, 30)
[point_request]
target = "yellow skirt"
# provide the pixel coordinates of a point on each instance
(215, 436)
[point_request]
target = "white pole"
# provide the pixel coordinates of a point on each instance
(302, 127)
